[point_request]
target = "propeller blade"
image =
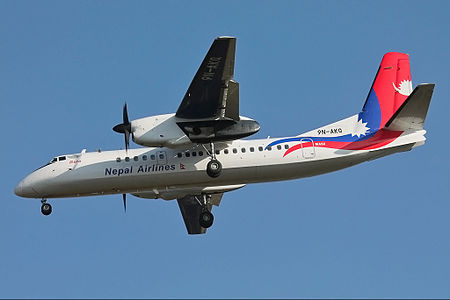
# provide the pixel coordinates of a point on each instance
(124, 198)
(125, 114)
(127, 139)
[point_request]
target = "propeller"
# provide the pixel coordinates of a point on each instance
(124, 198)
(124, 127)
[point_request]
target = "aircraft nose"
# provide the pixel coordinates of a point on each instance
(24, 189)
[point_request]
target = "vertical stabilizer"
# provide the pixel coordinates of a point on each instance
(391, 87)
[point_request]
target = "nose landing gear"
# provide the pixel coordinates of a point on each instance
(46, 208)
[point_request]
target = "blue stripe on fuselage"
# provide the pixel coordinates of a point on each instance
(371, 114)
(343, 138)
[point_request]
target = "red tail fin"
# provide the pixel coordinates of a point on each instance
(391, 87)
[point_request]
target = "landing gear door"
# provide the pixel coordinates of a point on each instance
(308, 150)
(161, 157)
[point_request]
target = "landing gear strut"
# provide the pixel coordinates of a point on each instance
(214, 167)
(46, 208)
(206, 218)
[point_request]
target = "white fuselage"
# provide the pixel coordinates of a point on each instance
(172, 173)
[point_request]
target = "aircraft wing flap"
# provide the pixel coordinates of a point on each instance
(207, 95)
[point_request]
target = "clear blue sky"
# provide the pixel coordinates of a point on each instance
(380, 229)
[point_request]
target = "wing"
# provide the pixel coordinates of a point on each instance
(191, 208)
(213, 94)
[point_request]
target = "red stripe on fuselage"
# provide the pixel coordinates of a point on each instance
(379, 139)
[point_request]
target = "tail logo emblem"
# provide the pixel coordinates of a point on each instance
(360, 128)
(404, 88)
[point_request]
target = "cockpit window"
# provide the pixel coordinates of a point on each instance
(61, 158)
(54, 159)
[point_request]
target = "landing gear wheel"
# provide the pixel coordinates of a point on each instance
(46, 209)
(214, 168)
(206, 219)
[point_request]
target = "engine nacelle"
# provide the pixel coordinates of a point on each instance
(170, 131)
(158, 131)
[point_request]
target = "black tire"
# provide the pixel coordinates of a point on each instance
(46, 209)
(206, 219)
(214, 168)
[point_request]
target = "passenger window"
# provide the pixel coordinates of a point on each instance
(161, 156)
(187, 154)
(279, 147)
(269, 148)
(144, 157)
(179, 155)
(200, 153)
(243, 150)
(152, 157)
(194, 153)
(127, 158)
(260, 148)
(286, 146)
(118, 159)
(136, 158)
(252, 149)
(217, 152)
(225, 151)
(234, 150)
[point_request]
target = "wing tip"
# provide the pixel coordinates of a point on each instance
(226, 37)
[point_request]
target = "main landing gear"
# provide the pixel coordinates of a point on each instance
(214, 167)
(46, 208)
(206, 218)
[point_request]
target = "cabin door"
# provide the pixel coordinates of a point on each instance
(308, 149)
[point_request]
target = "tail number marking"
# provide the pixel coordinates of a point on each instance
(329, 131)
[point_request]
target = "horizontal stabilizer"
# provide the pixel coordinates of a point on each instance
(412, 113)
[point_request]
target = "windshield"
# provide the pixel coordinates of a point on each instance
(53, 160)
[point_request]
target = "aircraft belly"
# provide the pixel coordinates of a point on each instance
(302, 168)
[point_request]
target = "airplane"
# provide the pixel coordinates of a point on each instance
(198, 153)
